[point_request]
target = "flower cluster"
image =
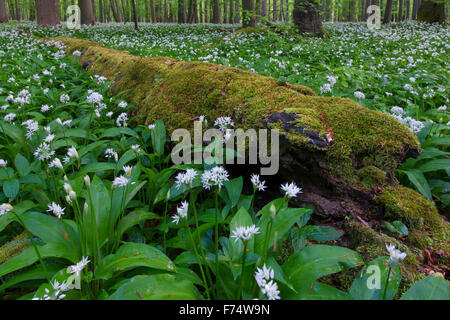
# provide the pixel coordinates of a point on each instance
(214, 177)
(182, 212)
(244, 233)
(185, 178)
(264, 278)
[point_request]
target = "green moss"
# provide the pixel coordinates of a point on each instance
(417, 213)
(372, 177)
(14, 247)
(371, 244)
(419, 240)
(175, 91)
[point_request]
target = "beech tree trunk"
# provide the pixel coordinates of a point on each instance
(133, 6)
(388, 12)
(307, 17)
(3, 15)
(115, 11)
(248, 18)
(431, 12)
(87, 12)
(181, 11)
(237, 16)
(48, 13)
(216, 12)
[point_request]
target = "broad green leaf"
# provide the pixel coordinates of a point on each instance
(418, 180)
(11, 188)
(234, 189)
(321, 233)
(434, 165)
(370, 283)
(132, 255)
(134, 218)
(22, 165)
(315, 261)
(155, 287)
(430, 288)
(316, 291)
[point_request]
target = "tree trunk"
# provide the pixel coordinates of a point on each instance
(431, 12)
(264, 8)
(48, 12)
(415, 9)
(231, 14)
(216, 12)
(166, 14)
(115, 11)
(408, 9)
(388, 12)
(87, 12)
(237, 16)
(351, 11)
(400, 10)
(274, 11)
(100, 10)
(133, 7)
(181, 11)
(307, 17)
(3, 15)
(248, 7)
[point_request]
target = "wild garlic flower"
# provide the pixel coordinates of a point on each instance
(122, 104)
(120, 181)
(77, 268)
(76, 53)
(9, 117)
(127, 170)
(64, 98)
(264, 278)
(72, 153)
(291, 190)
(182, 212)
(359, 95)
(151, 126)
(45, 108)
(32, 127)
(5, 208)
(244, 233)
(110, 153)
(57, 294)
(223, 123)
(71, 195)
(122, 119)
(44, 152)
(3, 163)
(395, 254)
(214, 177)
(94, 97)
(185, 178)
(56, 209)
(87, 181)
(56, 163)
(257, 183)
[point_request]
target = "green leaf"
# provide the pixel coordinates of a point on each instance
(11, 188)
(95, 167)
(22, 165)
(159, 137)
(35, 273)
(434, 165)
(431, 288)
(315, 261)
(114, 132)
(370, 283)
(234, 189)
(321, 233)
(134, 218)
(418, 180)
(401, 228)
(155, 287)
(316, 291)
(132, 255)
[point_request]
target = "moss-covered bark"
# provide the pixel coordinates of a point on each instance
(342, 154)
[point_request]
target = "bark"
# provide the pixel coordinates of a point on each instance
(274, 10)
(133, 6)
(48, 13)
(166, 16)
(216, 12)
(264, 8)
(307, 17)
(181, 11)
(408, 9)
(431, 12)
(388, 12)
(248, 14)
(237, 16)
(87, 12)
(415, 9)
(100, 9)
(351, 10)
(3, 15)
(400, 10)
(115, 10)
(231, 15)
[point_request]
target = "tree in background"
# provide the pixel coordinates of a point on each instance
(432, 11)
(48, 13)
(87, 12)
(307, 17)
(248, 13)
(3, 15)
(388, 12)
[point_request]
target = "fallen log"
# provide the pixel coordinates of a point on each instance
(343, 155)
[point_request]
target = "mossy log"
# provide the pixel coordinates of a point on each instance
(340, 153)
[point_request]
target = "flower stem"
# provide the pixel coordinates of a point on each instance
(387, 282)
